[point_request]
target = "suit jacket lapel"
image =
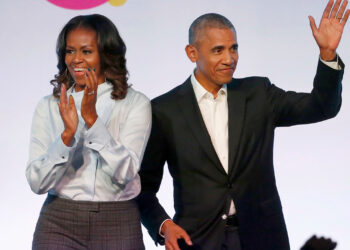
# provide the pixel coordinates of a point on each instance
(190, 109)
(236, 110)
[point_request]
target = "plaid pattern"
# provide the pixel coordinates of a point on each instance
(67, 224)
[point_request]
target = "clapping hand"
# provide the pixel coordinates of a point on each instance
(69, 116)
(88, 104)
(68, 109)
(330, 30)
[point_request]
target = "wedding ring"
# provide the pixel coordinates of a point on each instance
(91, 93)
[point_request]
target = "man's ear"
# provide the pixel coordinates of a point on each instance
(191, 52)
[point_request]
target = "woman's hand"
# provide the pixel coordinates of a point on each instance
(88, 104)
(69, 116)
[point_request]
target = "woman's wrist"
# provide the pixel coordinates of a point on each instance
(67, 137)
(90, 121)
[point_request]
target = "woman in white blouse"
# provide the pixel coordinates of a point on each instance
(87, 142)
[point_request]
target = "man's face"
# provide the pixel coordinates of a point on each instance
(216, 55)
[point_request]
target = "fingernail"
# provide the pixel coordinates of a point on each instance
(94, 69)
(89, 69)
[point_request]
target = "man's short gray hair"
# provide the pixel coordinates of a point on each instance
(209, 20)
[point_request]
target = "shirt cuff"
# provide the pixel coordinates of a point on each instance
(332, 64)
(160, 228)
(59, 152)
(97, 136)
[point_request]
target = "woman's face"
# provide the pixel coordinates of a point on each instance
(82, 54)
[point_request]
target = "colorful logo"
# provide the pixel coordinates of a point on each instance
(84, 4)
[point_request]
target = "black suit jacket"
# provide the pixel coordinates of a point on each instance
(202, 189)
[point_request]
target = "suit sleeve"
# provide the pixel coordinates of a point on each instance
(324, 101)
(151, 173)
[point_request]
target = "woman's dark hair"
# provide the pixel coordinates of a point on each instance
(111, 49)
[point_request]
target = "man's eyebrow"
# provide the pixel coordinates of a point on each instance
(219, 47)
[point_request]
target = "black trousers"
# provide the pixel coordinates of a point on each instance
(231, 240)
(67, 224)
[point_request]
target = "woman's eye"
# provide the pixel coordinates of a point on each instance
(69, 51)
(86, 52)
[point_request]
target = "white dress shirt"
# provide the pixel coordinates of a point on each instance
(215, 115)
(103, 161)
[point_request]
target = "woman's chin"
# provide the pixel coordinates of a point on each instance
(79, 86)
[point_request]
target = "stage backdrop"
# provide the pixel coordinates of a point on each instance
(275, 40)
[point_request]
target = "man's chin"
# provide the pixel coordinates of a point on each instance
(226, 80)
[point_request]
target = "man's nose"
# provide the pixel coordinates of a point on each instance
(228, 58)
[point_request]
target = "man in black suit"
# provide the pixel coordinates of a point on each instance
(216, 134)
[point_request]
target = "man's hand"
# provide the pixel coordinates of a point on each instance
(330, 30)
(172, 233)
